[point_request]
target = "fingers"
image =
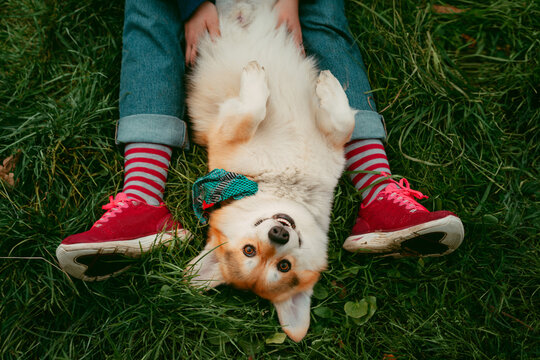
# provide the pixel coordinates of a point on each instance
(191, 54)
(213, 28)
(300, 44)
(296, 32)
(294, 28)
(205, 19)
(287, 11)
(192, 39)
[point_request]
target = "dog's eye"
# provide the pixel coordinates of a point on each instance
(284, 265)
(249, 251)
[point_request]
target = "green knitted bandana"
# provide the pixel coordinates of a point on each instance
(217, 186)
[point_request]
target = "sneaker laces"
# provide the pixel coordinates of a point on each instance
(114, 207)
(402, 194)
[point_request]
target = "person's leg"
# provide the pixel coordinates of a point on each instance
(390, 220)
(325, 35)
(151, 109)
(151, 96)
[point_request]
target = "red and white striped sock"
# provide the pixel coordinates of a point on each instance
(146, 166)
(369, 158)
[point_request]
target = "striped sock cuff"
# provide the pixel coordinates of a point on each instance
(146, 166)
(367, 160)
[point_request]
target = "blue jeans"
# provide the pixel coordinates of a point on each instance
(326, 35)
(152, 75)
(151, 82)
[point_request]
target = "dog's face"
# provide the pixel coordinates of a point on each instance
(273, 248)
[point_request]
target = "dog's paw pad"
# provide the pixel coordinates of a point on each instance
(253, 72)
(253, 66)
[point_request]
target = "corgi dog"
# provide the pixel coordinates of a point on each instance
(264, 111)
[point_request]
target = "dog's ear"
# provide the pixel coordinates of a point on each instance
(204, 269)
(294, 314)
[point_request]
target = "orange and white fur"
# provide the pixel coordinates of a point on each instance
(263, 110)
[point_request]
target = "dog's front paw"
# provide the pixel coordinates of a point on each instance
(254, 90)
(253, 82)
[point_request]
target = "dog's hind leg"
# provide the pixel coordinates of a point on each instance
(335, 118)
(239, 117)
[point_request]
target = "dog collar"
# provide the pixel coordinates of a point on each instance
(217, 186)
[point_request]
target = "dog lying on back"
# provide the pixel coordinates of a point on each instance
(264, 111)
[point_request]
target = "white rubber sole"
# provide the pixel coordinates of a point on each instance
(435, 238)
(81, 260)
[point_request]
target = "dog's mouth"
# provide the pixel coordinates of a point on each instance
(283, 219)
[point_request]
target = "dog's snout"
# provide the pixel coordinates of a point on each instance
(278, 234)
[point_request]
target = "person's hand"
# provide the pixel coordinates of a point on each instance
(205, 18)
(288, 14)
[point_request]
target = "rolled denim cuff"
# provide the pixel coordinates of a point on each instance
(368, 125)
(152, 128)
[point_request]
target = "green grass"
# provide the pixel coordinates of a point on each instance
(460, 95)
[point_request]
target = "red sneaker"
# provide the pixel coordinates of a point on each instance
(395, 224)
(126, 230)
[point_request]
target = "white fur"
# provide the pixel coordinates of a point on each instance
(297, 123)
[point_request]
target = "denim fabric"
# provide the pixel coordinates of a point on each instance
(188, 7)
(152, 75)
(326, 36)
(151, 82)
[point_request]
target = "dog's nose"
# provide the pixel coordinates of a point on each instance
(279, 234)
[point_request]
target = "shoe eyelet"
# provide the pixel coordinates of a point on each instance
(413, 210)
(380, 198)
